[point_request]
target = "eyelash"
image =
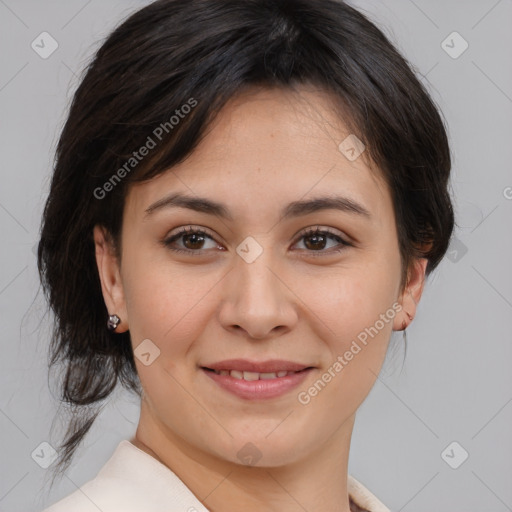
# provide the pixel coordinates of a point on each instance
(303, 234)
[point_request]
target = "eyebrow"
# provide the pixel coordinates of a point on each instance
(293, 209)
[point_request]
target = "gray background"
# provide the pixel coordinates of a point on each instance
(456, 384)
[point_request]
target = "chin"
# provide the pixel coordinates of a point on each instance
(259, 451)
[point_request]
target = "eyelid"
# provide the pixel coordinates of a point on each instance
(190, 228)
(321, 229)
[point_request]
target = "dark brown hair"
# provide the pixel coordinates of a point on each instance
(174, 53)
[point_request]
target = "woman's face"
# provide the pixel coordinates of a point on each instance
(255, 287)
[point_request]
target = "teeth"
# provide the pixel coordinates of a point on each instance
(251, 376)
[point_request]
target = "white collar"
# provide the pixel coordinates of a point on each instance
(134, 481)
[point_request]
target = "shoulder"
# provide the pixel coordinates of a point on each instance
(363, 499)
(97, 494)
(131, 481)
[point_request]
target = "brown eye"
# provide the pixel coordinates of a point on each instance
(316, 240)
(192, 241)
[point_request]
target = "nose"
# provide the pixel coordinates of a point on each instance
(257, 298)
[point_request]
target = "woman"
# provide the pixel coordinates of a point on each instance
(247, 199)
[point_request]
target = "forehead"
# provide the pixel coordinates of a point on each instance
(269, 147)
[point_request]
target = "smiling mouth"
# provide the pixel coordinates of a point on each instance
(256, 381)
(252, 376)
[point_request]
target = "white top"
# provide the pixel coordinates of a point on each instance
(134, 481)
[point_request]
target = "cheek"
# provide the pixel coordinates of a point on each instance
(355, 310)
(167, 304)
(349, 299)
(169, 309)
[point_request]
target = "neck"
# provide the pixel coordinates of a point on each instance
(317, 482)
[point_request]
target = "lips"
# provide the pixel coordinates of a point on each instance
(252, 380)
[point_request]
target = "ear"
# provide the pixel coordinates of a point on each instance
(410, 296)
(110, 277)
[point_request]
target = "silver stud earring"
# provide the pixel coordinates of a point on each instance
(113, 322)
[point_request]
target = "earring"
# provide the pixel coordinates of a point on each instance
(113, 322)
